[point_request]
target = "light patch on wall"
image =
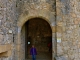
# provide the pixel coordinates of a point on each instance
(53, 24)
(19, 29)
(59, 40)
(0, 22)
(28, 43)
(10, 31)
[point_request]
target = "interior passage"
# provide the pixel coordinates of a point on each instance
(39, 33)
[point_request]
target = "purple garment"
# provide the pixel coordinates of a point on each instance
(33, 51)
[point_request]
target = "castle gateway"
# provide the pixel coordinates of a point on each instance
(24, 23)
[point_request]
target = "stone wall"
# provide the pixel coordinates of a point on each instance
(12, 13)
(8, 28)
(29, 9)
(68, 18)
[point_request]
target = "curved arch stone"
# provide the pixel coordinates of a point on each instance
(47, 16)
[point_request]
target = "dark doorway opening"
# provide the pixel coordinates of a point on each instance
(39, 33)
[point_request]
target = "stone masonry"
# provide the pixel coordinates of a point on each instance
(62, 15)
(68, 18)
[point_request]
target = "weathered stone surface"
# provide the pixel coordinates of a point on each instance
(1, 38)
(70, 33)
(4, 48)
(64, 18)
(62, 58)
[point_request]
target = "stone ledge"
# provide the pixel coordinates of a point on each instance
(5, 48)
(6, 54)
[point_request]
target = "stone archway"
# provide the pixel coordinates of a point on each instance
(23, 19)
(37, 31)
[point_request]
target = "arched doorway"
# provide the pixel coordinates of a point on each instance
(37, 31)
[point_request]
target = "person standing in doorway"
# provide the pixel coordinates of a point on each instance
(50, 46)
(33, 52)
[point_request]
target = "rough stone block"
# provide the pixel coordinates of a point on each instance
(1, 16)
(59, 35)
(4, 48)
(59, 29)
(1, 38)
(61, 58)
(6, 54)
(64, 1)
(0, 22)
(65, 10)
(59, 50)
(18, 48)
(73, 15)
(76, 22)
(59, 23)
(54, 29)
